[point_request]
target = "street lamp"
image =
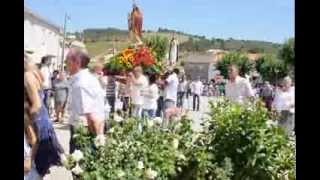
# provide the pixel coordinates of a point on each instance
(66, 17)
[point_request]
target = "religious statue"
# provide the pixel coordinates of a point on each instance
(135, 21)
(173, 51)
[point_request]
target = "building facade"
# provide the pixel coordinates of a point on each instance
(204, 64)
(199, 65)
(42, 37)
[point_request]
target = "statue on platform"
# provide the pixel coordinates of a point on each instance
(135, 21)
(173, 51)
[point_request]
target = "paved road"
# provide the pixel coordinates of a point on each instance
(60, 173)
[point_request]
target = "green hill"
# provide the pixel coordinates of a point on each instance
(98, 41)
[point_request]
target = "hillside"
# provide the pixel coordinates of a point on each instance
(98, 41)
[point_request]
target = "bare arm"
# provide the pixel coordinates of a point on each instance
(27, 165)
(32, 91)
(249, 90)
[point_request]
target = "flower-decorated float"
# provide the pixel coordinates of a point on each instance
(141, 55)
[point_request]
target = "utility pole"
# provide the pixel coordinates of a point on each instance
(64, 40)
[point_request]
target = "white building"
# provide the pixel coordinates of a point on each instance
(42, 37)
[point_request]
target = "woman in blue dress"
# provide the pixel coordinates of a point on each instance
(47, 149)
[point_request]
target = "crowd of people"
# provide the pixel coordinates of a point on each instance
(93, 96)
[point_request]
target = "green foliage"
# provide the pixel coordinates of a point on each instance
(159, 45)
(271, 69)
(239, 59)
(287, 52)
(203, 44)
(235, 143)
(241, 133)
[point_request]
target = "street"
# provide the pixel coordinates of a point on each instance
(62, 130)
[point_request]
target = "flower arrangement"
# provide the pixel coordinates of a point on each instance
(130, 57)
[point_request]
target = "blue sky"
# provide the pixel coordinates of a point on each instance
(268, 20)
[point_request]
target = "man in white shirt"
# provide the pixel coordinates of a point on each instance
(45, 71)
(87, 96)
(284, 104)
(237, 89)
(197, 88)
(151, 95)
(138, 83)
(171, 90)
(182, 89)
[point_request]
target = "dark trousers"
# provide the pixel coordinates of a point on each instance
(160, 102)
(196, 102)
(125, 105)
(268, 102)
(72, 145)
(46, 99)
(189, 93)
(180, 99)
(111, 100)
(148, 113)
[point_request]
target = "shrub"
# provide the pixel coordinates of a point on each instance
(239, 59)
(241, 133)
(235, 143)
(271, 68)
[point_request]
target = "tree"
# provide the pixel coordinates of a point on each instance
(271, 69)
(239, 59)
(287, 52)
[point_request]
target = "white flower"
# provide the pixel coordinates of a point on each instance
(77, 155)
(75, 135)
(77, 170)
(179, 169)
(117, 118)
(151, 174)
(175, 143)
(120, 174)
(181, 156)
(100, 140)
(150, 123)
(157, 120)
(111, 130)
(214, 104)
(140, 165)
(271, 123)
(64, 160)
(179, 125)
(207, 124)
(195, 137)
(112, 141)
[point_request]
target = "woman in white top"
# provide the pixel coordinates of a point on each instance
(150, 97)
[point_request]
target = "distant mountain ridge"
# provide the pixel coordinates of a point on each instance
(188, 42)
